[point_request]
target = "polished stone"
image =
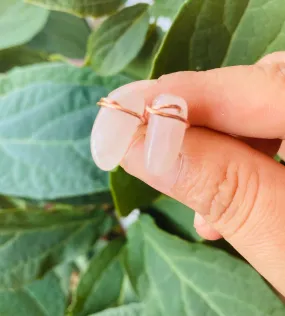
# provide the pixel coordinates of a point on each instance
(164, 136)
(113, 130)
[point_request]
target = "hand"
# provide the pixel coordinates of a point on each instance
(232, 182)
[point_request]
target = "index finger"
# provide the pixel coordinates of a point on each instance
(242, 100)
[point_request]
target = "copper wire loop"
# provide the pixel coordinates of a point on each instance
(108, 103)
(157, 111)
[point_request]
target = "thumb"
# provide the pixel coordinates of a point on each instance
(237, 189)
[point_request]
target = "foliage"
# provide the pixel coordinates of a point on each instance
(175, 277)
(94, 8)
(63, 34)
(63, 248)
(19, 22)
(139, 194)
(118, 40)
(209, 34)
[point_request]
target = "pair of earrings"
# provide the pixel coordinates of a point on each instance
(121, 116)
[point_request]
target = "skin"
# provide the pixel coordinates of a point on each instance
(232, 182)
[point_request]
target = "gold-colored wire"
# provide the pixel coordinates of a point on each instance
(108, 103)
(157, 111)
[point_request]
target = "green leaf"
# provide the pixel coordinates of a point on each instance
(179, 215)
(127, 293)
(118, 40)
(167, 8)
(19, 22)
(19, 56)
(45, 131)
(175, 50)
(63, 34)
(134, 260)
(209, 34)
(31, 243)
(57, 73)
(44, 141)
(129, 192)
(104, 199)
(100, 286)
(140, 67)
(186, 279)
(126, 310)
(43, 297)
(93, 8)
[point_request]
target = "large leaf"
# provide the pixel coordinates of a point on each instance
(45, 135)
(57, 73)
(118, 40)
(209, 34)
(129, 192)
(180, 217)
(193, 279)
(44, 297)
(44, 142)
(19, 56)
(63, 34)
(100, 286)
(33, 242)
(19, 22)
(140, 67)
(126, 310)
(82, 8)
(166, 8)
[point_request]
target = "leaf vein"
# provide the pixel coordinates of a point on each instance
(206, 298)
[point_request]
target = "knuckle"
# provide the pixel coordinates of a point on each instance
(225, 195)
(234, 198)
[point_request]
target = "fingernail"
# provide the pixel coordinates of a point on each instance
(164, 135)
(113, 129)
(199, 220)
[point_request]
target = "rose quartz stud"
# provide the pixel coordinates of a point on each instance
(165, 135)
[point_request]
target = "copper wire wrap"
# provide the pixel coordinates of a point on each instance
(108, 103)
(157, 111)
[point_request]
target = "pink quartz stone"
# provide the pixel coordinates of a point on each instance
(164, 136)
(113, 130)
